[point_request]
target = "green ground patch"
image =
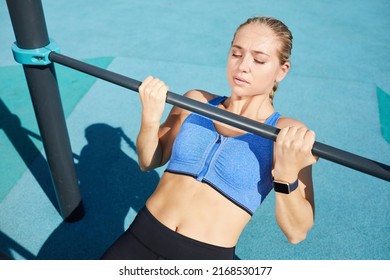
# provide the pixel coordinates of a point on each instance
(384, 112)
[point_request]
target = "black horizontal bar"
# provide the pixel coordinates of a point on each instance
(327, 152)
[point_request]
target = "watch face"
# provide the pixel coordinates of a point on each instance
(281, 187)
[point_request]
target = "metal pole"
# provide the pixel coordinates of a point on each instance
(30, 31)
(324, 151)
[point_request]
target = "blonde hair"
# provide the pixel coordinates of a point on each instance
(284, 36)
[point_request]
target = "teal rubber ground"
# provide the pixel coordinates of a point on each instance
(338, 85)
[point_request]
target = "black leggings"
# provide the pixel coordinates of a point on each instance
(148, 239)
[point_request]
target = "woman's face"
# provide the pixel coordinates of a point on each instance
(253, 64)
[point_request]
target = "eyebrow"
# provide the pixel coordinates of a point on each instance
(256, 52)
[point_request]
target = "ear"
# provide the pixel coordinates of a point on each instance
(283, 70)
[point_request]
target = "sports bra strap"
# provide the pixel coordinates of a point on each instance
(273, 119)
(217, 100)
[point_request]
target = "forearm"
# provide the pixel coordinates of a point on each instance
(293, 159)
(294, 215)
(148, 146)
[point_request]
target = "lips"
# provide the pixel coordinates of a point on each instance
(239, 80)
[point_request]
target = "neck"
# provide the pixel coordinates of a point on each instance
(254, 107)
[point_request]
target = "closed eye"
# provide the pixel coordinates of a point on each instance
(259, 61)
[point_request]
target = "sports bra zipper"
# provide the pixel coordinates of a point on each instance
(210, 156)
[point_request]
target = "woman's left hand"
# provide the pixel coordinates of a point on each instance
(293, 152)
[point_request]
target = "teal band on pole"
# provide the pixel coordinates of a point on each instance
(39, 56)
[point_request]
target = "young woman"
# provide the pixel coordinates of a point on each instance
(217, 175)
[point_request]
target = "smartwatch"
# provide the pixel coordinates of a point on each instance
(284, 187)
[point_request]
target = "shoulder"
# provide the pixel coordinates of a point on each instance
(286, 122)
(200, 95)
(197, 95)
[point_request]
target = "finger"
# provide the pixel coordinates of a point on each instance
(163, 90)
(148, 78)
(310, 135)
(286, 136)
(304, 141)
(156, 87)
(295, 138)
(310, 140)
(145, 83)
(282, 133)
(292, 131)
(152, 87)
(301, 132)
(154, 83)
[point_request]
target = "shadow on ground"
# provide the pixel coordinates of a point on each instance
(111, 183)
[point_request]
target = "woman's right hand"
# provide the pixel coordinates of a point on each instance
(152, 93)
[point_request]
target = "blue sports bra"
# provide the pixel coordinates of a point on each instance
(237, 167)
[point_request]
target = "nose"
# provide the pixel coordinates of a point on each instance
(245, 64)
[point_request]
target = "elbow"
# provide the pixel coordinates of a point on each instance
(147, 166)
(144, 167)
(297, 238)
(298, 235)
(148, 161)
